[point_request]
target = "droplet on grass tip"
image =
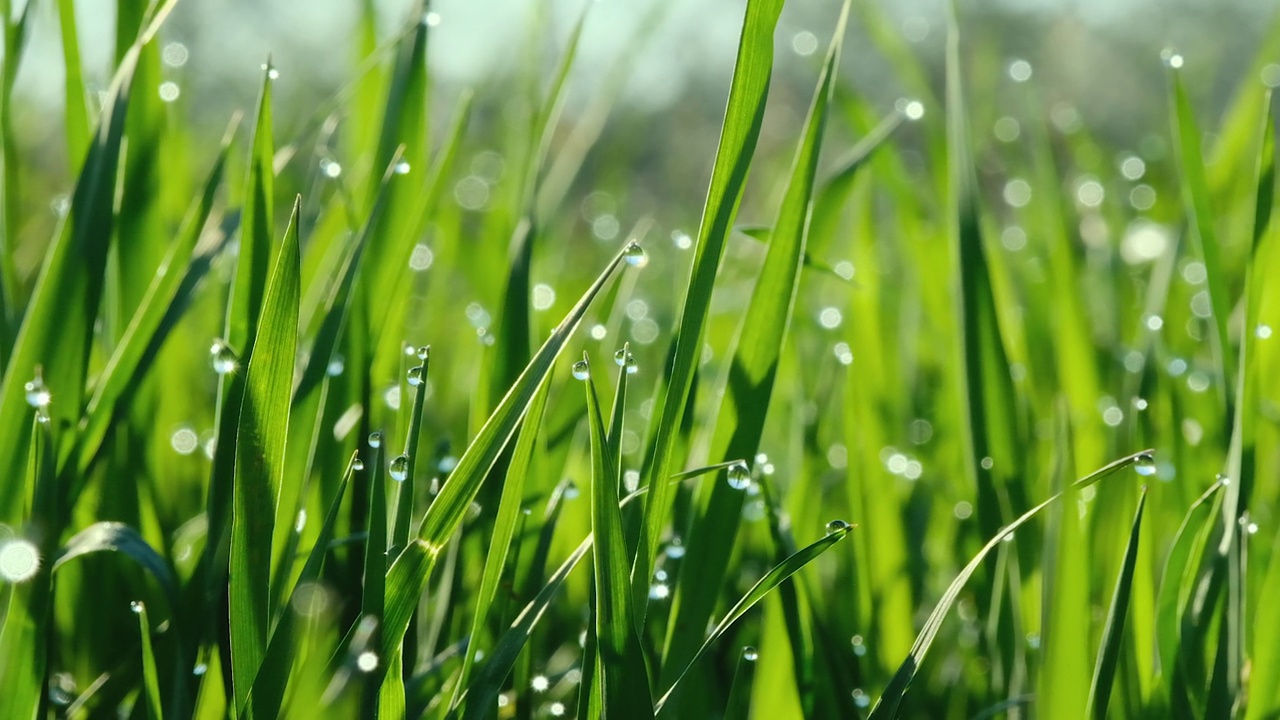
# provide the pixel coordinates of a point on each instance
(635, 255)
(375, 439)
(38, 396)
(415, 375)
(739, 476)
(1145, 465)
(137, 607)
(838, 526)
(357, 464)
(424, 352)
(749, 654)
(222, 357)
(399, 468)
(581, 370)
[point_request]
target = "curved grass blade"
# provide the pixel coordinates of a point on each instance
(836, 532)
(504, 526)
(739, 133)
(740, 418)
(155, 317)
(118, 537)
(259, 464)
(483, 692)
(450, 506)
(281, 658)
(150, 678)
(744, 677)
(623, 676)
(887, 706)
(1178, 580)
(57, 330)
(1104, 672)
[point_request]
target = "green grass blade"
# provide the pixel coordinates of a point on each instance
(504, 526)
(259, 464)
(743, 117)
(740, 418)
(891, 698)
(405, 485)
(15, 41)
(488, 682)
(1178, 580)
(623, 675)
(57, 329)
(157, 314)
(245, 306)
(1104, 672)
(281, 658)
(151, 678)
(77, 112)
(1195, 195)
(836, 531)
(118, 537)
(459, 489)
(740, 692)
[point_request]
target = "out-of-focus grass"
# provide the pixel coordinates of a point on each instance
(219, 402)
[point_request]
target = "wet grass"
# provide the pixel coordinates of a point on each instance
(380, 418)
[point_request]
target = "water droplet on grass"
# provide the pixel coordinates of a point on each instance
(675, 550)
(222, 357)
(750, 654)
(415, 375)
(1145, 465)
(137, 607)
(399, 468)
(38, 396)
(838, 526)
(424, 352)
(357, 464)
(635, 255)
(581, 370)
(739, 476)
(375, 439)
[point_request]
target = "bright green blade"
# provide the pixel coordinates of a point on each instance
(1178, 581)
(77, 112)
(743, 117)
(887, 706)
(1104, 672)
(739, 707)
(836, 531)
(151, 678)
(57, 329)
(741, 416)
(504, 526)
(118, 537)
(259, 464)
(623, 675)
(245, 306)
(282, 661)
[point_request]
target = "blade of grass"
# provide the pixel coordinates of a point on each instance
(118, 537)
(282, 658)
(77, 112)
(504, 525)
(624, 677)
(740, 131)
(151, 679)
(1104, 671)
(836, 531)
(57, 329)
(891, 698)
(259, 464)
(244, 308)
(740, 417)
(15, 41)
(740, 692)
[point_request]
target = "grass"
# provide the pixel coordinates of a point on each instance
(317, 421)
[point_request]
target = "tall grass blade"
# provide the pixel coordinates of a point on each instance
(1104, 672)
(259, 464)
(245, 305)
(150, 676)
(743, 117)
(740, 419)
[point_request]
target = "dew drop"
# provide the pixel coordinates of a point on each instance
(620, 358)
(581, 370)
(357, 464)
(137, 607)
(38, 396)
(424, 352)
(399, 468)
(749, 654)
(222, 357)
(838, 526)
(1145, 465)
(739, 476)
(571, 491)
(415, 375)
(336, 365)
(635, 255)
(675, 550)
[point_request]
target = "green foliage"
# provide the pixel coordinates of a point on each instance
(335, 521)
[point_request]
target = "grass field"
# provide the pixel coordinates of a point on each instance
(375, 415)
